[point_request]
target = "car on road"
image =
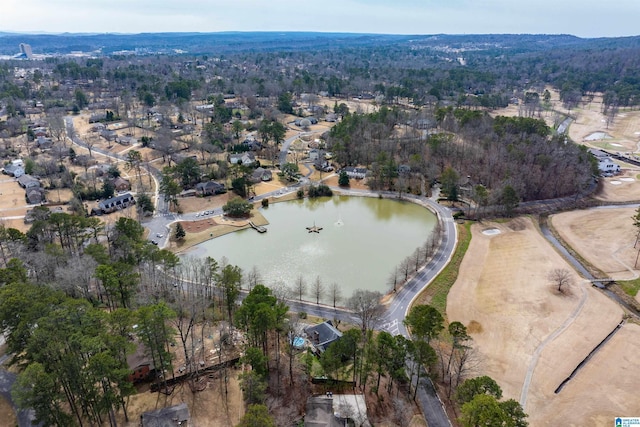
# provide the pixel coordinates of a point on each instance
(154, 242)
(159, 235)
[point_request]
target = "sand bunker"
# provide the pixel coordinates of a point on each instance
(597, 136)
(615, 182)
(491, 231)
(627, 179)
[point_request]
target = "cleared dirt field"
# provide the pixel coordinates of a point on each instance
(207, 408)
(604, 237)
(513, 312)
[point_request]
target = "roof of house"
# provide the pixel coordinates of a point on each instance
(166, 417)
(353, 169)
(319, 412)
(261, 174)
(120, 181)
(26, 179)
(12, 167)
(245, 157)
(116, 199)
(598, 153)
(323, 334)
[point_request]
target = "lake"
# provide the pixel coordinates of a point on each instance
(362, 241)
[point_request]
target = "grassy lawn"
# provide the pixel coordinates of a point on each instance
(630, 287)
(436, 293)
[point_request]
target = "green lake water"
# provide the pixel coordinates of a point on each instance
(362, 241)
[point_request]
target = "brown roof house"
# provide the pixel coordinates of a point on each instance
(209, 188)
(121, 184)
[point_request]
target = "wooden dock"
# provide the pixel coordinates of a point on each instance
(258, 228)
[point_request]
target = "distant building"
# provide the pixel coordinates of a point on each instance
(25, 51)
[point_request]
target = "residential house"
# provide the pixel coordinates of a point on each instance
(356, 173)
(14, 170)
(101, 169)
(309, 121)
(40, 132)
(27, 181)
(126, 140)
(422, 124)
(322, 164)
(336, 410)
(113, 204)
(97, 127)
(322, 335)
(606, 165)
(314, 154)
(44, 143)
(121, 184)
(35, 195)
(84, 160)
(97, 117)
(209, 188)
(172, 416)
(331, 118)
(246, 159)
(261, 175)
(404, 169)
(109, 135)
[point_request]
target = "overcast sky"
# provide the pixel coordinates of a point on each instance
(584, 18)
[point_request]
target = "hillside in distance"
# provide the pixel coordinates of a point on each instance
(234, 42)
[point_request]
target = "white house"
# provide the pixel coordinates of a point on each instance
(246, 159)
(356, 173)
(606, 165)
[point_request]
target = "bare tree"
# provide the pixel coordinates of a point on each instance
(318, 289)
(393, 279)
(561, 277)
(336, 293)
(253, 277)
(56, 125)
(367, 307)
(300, 287)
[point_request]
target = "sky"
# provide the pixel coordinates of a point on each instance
(583, 18)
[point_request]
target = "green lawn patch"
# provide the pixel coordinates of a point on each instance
(630, 287)
(436, 293)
